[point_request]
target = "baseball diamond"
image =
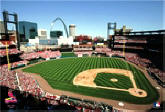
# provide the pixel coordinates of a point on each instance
(86, 78)
(132, 86)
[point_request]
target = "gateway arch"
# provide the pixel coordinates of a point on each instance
(65, 27)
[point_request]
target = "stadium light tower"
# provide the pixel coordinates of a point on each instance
(111, 27)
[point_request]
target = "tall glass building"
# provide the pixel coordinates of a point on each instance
(27, 30)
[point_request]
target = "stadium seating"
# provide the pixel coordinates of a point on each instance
(42, 54)
(49, 54)
(29, 56)
(10, 51)
(23, 82)
(7, 78)
(102, 50)
(16, 64)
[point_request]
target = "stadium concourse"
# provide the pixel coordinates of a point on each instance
(28, 85)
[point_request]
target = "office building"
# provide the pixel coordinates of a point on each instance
(42, 34)
(27, 30)
(72, 28)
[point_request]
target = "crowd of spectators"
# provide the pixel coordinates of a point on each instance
(42, 54)
(102, 50)
(10, 51)
(18, 63)
(49, 54)
(8, 78)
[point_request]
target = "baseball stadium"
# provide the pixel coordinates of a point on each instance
(123, 73)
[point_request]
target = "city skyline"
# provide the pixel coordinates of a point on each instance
(90, 17)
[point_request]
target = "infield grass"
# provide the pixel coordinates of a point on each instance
(60, 73)
(104, 79)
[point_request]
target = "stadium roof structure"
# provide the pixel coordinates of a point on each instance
(146, 32)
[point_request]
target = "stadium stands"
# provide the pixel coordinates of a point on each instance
(10, 51)
(8, 78)
(40, 54)
(18, 63)
(102, 50)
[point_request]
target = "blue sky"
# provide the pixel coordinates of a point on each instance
(90, 17)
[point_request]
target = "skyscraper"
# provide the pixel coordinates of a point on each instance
(27, 30)
(72, 30)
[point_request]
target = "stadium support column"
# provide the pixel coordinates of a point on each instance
(5, 19)
(17, 33)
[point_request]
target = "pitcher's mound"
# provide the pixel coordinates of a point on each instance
(114, 80)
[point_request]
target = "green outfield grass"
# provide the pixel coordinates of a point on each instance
(60, 73)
